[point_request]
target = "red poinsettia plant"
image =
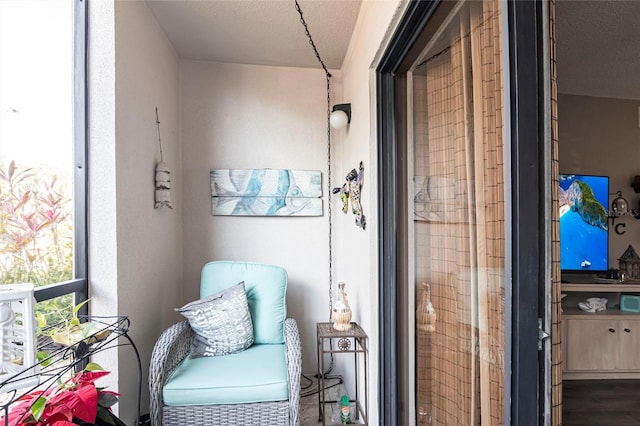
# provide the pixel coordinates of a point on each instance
(77, 401)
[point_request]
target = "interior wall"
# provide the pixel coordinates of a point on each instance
(356, 253)
(149, 239)
(135, 250)
(250, 117)
(601, 136)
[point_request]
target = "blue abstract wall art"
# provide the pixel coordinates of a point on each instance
(266, 192)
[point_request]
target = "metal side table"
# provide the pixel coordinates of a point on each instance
(353, 341)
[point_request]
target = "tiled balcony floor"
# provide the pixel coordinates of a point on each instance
(309, 403)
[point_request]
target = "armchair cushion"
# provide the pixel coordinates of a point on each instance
(221, 322)
(265, 286)
(257, 374)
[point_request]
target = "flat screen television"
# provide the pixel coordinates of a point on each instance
(584, 224)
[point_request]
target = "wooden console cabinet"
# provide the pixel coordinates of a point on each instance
(600, 345)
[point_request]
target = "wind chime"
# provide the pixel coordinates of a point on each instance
(163, 176)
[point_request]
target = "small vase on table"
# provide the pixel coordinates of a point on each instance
(341, 313)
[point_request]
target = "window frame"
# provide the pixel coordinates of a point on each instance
(79, 285)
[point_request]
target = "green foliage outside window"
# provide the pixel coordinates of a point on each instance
(36, 233)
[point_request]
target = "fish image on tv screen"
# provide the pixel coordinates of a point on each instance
(584, 239)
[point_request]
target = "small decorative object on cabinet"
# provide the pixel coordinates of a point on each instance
(629, 264)
(593, 304)
(630, 303)
(334, 342)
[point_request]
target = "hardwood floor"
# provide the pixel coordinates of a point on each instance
(601, 403)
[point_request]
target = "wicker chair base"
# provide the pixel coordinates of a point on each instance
(171, 348)
(218, 415)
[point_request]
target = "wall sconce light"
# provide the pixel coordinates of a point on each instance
(340, 116)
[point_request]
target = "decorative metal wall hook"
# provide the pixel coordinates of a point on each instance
(352, 190)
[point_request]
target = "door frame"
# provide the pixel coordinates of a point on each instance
(526, 238)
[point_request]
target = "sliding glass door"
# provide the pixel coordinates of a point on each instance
(463, 246)
(457, 232)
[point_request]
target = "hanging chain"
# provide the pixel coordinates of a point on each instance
(329, 195)
(328, 76)
(313, 45)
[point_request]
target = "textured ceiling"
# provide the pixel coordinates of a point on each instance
(264, 32)
(598, 42)
(598, 48)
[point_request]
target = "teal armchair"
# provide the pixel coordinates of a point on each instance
(257, 386)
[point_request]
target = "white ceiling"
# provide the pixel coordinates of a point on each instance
(263, 32)
(598, 48)
(598, 42)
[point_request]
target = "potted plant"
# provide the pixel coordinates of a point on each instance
(71, 331)
(76, 401)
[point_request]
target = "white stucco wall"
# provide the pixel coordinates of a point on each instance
(357, 250)
(248, 116)
(102, 244)
(135, 250)
(149, 239)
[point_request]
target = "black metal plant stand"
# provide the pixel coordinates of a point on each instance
(63, 360)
